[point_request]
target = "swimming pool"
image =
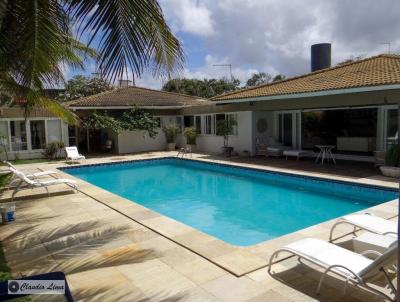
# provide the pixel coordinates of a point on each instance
(238, 205)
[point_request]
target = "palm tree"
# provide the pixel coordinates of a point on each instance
(39, 37)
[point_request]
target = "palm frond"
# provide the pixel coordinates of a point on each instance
(133, 34)
(40, 101)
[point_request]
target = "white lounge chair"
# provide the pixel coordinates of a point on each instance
(32, 175)
(73, 154)
(36, 183)
(356, 268)
(370, 223)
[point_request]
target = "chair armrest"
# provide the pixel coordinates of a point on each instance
(371, 252)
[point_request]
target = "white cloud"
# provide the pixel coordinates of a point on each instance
(275, 36)
(189, 16)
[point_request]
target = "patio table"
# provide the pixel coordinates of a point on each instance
(325, 153)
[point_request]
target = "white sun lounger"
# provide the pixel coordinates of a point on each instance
(296, 153)
(73, 154)
(36, 183)
(356, 268)
(370, 223)
(32, 175)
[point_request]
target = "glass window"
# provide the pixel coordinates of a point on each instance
(188, 121)
(198, 124)
(232, 118)
(54, 131)
(72, 135)
(209, 124)
(38, 135)
(158, 120)
(179, 123)
(4, 142)
(392, 128)
(228, 118)
(218, 118)
(18, 135)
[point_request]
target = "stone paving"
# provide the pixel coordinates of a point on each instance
(111, 251)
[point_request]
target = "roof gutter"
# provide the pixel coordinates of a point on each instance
(309, 94)
(125, 107)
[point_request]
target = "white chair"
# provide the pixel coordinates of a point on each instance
(36, 183)
(31, 176)
(370, 223)
(73, 154)
(355, 268)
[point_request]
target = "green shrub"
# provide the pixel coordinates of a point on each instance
(53, 150)
(170, 133)
(393, 156)
(191, 135)
(225, 128)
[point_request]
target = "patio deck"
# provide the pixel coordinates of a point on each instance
(109, 256)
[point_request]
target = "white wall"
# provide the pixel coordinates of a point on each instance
(139, 141)
(269, 132)
(269, 117)
(240, 142)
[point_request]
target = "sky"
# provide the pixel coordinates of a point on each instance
(273, 36)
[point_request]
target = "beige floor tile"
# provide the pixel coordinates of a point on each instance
(177, 256)
(213, 248)
(230, 288)
(147, 274)
(240, 262)
(200, 270)
(271, 295)
(167, 226)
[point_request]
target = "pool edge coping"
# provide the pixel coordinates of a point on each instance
(236, 260)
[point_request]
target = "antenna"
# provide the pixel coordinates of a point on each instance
(226, 65)
(388, 45)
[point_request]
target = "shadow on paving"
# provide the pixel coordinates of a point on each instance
(126, 294)
(305, 279)
(73, 248)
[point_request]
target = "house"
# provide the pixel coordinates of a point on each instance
(164, 106)
(27, 138)
(352, 106)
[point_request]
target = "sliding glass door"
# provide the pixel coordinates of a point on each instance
(288, 127)
(391, 125)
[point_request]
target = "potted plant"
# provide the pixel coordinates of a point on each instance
(392, 162)
(170, 135)
(225, 128)
(191, 135)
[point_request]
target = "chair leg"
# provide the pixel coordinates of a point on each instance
(345, 286)
(321, 280)
(392, 288)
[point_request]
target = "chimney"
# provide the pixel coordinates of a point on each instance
(124, 83)
(320, 56)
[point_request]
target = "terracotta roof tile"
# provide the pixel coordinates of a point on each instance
(373, 71)
(137, 96)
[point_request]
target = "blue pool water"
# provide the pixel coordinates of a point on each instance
(240, 206)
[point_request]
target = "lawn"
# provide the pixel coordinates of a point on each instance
(29, 161)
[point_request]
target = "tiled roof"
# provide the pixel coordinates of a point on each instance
(373, 71)
(137, 96)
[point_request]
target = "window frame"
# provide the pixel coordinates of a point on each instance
(45, 133)
(28, 131)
